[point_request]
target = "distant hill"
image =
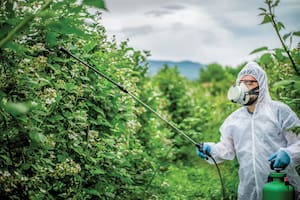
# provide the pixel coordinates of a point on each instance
(188, 69)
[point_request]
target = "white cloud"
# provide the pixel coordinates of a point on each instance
(197, 30)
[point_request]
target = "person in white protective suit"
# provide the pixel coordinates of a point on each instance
(257, 133)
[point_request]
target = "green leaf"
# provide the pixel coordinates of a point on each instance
(2, 94)
(16, 109)
(65, 26)
(5, 28)
(79, 150)
(71, 88)
(51, 38)
(97, 171)
(37, 137)
(279, 55)
(279, 25)
(275, 3)
(267, 19)
(90, 46)
(46, 14)
(62, 157)
(266, 58)
(284, 83)
(55, 118)
(6, 159)
(14, 46)
(95, 3)
(26, 166)
(297, 85)
(297, 33)
(259, 50)
(262, 9)
(262, 14)
(285, 36)
(92, 192)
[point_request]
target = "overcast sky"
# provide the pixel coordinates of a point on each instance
(203, 31)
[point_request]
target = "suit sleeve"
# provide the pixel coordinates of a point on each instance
(289, 121)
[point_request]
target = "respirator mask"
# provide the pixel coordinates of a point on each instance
(242, 95)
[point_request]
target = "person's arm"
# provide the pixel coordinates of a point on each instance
(288, 121)
(223, 150)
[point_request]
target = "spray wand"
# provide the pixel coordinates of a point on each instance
(171, 124)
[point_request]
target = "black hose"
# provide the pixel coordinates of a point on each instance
(220, 176)
(200, 148)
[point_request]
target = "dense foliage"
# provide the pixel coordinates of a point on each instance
(66, 133)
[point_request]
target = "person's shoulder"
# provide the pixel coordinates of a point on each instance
(237, 113)
(235, 116)
(281, 109)
(279, 105)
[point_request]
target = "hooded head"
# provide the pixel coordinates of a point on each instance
(253, 69)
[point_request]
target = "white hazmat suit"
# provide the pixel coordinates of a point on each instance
(253, 137)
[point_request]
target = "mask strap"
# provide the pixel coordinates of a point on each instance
(254, 91)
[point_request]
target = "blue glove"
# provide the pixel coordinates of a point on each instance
(203, 151)
(281, 159)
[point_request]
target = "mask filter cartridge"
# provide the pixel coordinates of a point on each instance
(237, 94)
(242, 95)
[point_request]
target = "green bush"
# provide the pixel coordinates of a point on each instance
(67, 133)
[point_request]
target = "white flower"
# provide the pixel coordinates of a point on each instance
(6, 174)
(165, 184)
(33, 103)
(50, 101)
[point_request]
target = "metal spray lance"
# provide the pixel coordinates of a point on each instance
(171, 124)
(122, 88)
